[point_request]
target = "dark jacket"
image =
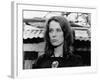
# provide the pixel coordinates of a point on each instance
(67, 61)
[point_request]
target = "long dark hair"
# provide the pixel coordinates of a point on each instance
(68, 36)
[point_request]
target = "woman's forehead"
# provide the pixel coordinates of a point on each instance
(54, 24)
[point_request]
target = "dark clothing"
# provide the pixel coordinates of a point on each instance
(68, 61)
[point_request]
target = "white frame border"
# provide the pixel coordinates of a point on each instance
(17, 68)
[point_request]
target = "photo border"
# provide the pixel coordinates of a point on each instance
(17, 41)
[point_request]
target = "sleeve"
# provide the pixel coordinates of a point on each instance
(37, 62)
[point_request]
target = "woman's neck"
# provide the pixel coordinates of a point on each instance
(58, 51)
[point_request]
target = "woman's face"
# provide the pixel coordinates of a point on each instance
(55, 33)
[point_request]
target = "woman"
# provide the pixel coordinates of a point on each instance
(58, 49)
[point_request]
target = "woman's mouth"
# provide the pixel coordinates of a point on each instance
(54, 40)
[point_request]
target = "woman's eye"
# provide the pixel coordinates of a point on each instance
(58, 30)
(50, 30)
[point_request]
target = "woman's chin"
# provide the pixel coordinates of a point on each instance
(56, 44)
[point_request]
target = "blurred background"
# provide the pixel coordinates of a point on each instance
(34, 25)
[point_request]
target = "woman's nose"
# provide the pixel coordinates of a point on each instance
(54, 34)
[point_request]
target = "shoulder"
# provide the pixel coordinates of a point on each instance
(41, 58)
(39, 61)
(74, 60)
(75, 57)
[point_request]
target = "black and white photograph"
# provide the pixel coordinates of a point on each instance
(52, 39)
